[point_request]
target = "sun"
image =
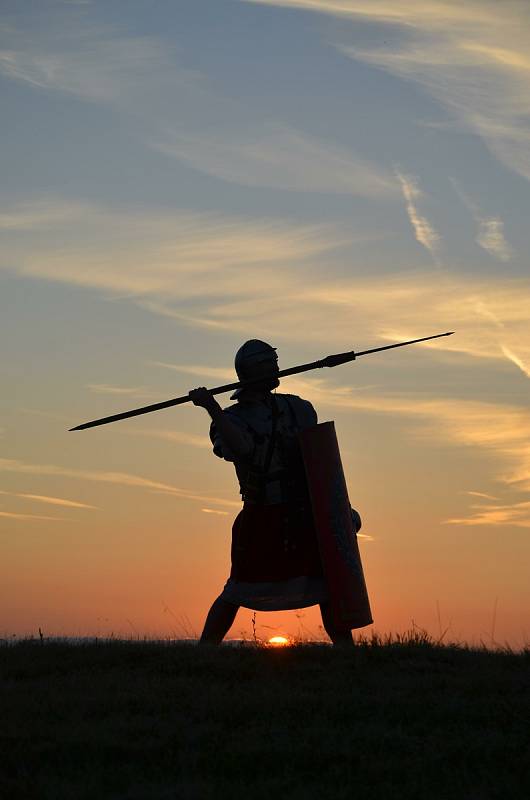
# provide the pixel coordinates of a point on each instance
(279, 641)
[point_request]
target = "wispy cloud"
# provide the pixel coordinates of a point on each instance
(175, 437)
(35, 412)
(55, 501)
(423, 230)
(490, 317)
(117, 478)
(202, 269)
(201, 371)
(94, 63)
(13, 515)
(481, 494)
(212, 319)
(168, 105)
(281, 158)
(490, 237)
(213, 511)
(162, 255)
(128, 391)
(516, 515)
(196, 320)
(40, 213)
(471, 57)
(517, 360)
(490, 230)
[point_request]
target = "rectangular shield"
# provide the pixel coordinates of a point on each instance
(341, 560)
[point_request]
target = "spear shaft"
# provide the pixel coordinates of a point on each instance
(329, 361)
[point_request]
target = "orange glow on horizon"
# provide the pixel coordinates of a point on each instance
(279, 641)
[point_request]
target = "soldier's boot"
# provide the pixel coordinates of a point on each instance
(340, 638)
(220, 619)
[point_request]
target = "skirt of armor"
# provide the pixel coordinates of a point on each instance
(275, 559)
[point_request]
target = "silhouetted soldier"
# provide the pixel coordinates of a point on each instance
(275, 556)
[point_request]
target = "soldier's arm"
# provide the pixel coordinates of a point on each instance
(234, 438)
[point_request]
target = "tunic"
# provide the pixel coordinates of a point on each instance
(275, 559)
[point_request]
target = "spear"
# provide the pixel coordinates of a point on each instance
(329, 361)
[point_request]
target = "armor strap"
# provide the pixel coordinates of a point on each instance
(253, 484)
(292, 413)
(272, 440)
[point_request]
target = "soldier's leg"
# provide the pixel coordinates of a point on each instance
(218, 622)
(336, 636)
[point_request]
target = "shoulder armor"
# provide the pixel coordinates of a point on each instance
(305, 413)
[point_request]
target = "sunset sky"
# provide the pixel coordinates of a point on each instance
(179, 176)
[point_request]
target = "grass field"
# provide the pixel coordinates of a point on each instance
(141, 720)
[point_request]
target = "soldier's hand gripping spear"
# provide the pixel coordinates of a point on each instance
(198, 396)
(231, 433)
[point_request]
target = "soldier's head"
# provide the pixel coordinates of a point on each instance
(254, 359)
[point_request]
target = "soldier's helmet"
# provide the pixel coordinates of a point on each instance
(254, 357)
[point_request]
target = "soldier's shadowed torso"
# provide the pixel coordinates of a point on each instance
(282, 478)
